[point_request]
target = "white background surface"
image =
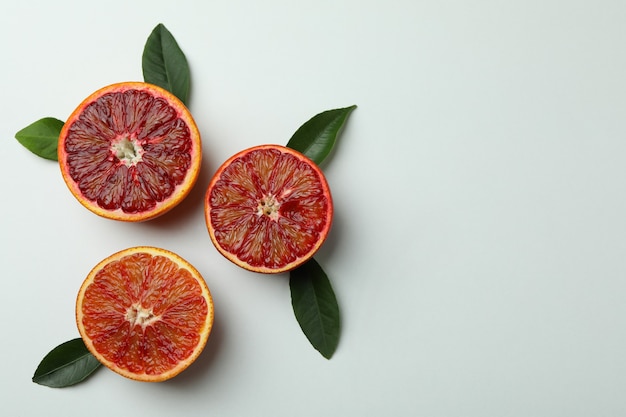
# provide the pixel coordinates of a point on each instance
(478, 246)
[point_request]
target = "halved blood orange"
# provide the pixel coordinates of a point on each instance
(130, 151)
(268, 209)
(145, 313)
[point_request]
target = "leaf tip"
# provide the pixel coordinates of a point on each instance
(327, 355)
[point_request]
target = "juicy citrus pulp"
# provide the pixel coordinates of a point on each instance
(268, 208)
(130, 151)
(145, 313)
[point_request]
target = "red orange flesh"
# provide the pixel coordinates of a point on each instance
(145, 313)
(268, 209)
(130, 151)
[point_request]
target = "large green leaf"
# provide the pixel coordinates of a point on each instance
(42, 137)
(65, 365)
(315, 306)
(317, 137)
(164, 63)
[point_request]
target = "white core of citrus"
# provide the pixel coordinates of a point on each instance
(137, 315)
(268, 206)
(128, 151)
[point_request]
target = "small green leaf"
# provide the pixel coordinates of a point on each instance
(164, 63)
(315, 306)
(65, 365)
(316, 137)
(42, 137)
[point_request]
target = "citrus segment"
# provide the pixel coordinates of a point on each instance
(268, 208)
(131, 151)
(145, 313)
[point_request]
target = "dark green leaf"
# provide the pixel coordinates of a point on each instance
(65, 365)
(315, 307)
(164, 63)
(42, 137)
(317, 136)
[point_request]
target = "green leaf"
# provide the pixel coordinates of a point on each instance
(42, 137)
(315, 306)
(164, 63)
(65, 365)
(316, 138)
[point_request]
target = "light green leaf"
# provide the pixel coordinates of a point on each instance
(42, 137)
(164, 63)
(316, 138)
(65, 365)
(315, 307)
